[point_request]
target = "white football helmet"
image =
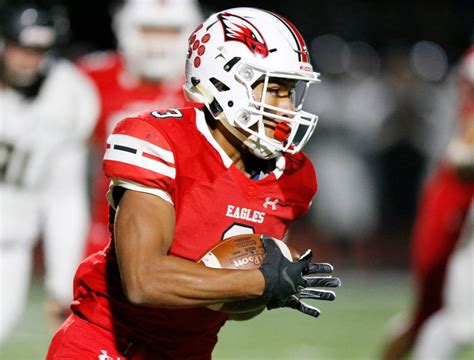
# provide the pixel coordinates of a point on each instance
(155, 57)
(231, 52)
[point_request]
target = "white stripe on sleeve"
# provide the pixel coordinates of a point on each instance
(141, 146)
(140, 161)
(136, 187)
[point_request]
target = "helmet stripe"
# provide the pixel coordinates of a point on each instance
(302, 50)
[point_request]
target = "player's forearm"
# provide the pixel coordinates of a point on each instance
(144, 231)
(173, 282)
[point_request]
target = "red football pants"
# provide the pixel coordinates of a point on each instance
(80, 339)
(443, 209)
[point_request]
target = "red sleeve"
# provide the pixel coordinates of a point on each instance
(303, 184)
(443, 207)
(137, 152)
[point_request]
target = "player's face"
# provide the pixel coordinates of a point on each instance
(467, 111)
(466, 90)
(279, 94)
(159, 31)
(152, 51)
(22, 64)
(154, 37)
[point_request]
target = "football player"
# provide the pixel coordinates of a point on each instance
(452, 327)
(183, 179)
(445, 202)
(145, 73)
(47, 112)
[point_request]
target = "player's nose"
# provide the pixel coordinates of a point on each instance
(286, 103)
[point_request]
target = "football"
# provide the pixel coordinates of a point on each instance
(241, 252)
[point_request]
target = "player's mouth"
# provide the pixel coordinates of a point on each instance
(280, 131)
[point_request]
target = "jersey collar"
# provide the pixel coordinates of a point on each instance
(204, 130)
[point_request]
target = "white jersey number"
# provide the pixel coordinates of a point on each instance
(170, 113)
(237, 229)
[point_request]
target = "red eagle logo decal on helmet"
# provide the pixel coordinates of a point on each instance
(237, 28)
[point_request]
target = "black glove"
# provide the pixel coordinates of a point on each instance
(286, 282)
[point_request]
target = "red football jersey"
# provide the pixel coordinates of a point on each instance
(120, 95)
(172, 154)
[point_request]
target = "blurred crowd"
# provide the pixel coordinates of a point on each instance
(383, 125)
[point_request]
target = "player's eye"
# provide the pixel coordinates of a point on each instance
(274, 91)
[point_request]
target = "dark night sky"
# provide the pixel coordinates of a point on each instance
(382, 24)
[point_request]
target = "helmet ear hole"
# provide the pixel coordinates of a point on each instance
(230, 64)
(219, 85)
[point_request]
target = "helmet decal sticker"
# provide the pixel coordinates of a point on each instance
(237, 28)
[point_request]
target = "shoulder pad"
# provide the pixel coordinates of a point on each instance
(98, 61)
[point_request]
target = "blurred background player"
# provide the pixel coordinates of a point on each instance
(47, 111)
(444, 206)
(146, 72)
(451, 328)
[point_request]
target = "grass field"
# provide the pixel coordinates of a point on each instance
(350, 328)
